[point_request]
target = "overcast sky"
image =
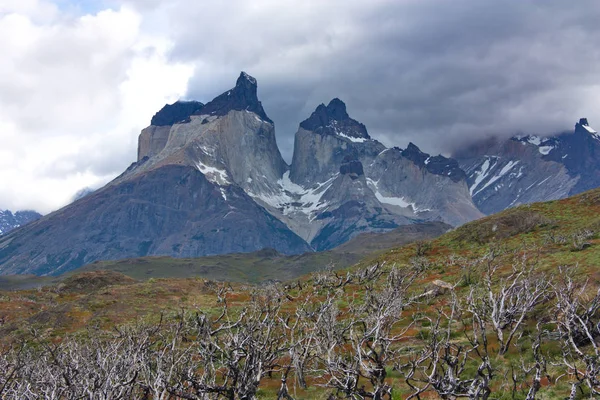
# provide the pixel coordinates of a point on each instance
(80, 79)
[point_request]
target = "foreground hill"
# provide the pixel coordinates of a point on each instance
(503, 307)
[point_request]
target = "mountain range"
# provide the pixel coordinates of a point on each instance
(10, 221)
(526, 169)
(209, 179)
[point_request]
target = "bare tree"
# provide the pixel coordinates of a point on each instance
(578, 321)
(504, 303)
(441, 364)
(237, 349)
(355, 349)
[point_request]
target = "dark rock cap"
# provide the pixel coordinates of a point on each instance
(242, 97)
(437, 165)
(334, 119)
(179, 111)
(583, 127)
(414, 154)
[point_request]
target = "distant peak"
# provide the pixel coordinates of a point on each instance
(244, 96)
(244, 78)
(337, 109)
(583, 126)
(413, 148)
(413, 153)
(333, 119)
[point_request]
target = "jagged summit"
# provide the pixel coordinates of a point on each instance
(437, 165)
(414, 154)
(333, 119)
(242, 97)
(10, 221)
(244, 78)
(584, 127)
(179, 111)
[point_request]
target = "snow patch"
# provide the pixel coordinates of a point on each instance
(502, 172)
(214, 175)
(393, 200)
(480, 175)
(292, 197)
(587, 128)
(545, 150)
(338, 132)
(223, 193)
(352, 139)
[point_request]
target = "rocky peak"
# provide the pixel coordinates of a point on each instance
(242, 97)
(584, 127)
(333, 119)
(10, 221)
(437, 165)
(179, 111)
(414, 154)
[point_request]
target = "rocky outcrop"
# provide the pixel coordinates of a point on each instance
(175, 113)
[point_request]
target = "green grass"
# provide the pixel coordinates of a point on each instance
(164, 284)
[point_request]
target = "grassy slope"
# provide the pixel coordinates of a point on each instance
(74, 305)
(117, 303)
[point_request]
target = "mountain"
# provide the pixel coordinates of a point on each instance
(209, 179)
(343, 182)
(179, 199)
(10, 221)
(526, 169)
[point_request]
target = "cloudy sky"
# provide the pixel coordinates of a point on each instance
(80, 78)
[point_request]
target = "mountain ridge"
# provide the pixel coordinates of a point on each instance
(526, 169)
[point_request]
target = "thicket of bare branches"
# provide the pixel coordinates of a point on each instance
(376, 333)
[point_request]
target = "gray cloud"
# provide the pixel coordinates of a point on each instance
(434, 72)
(76, 89)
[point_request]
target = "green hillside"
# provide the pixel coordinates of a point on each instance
(504, 307)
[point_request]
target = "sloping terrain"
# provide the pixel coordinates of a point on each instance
(441, 283)
(263, 265)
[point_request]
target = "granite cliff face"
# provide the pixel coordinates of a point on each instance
(210, 179)
(526, 169)
(184, 197)
(342, 182)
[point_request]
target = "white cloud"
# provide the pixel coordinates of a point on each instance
(75, 90)
(74, 93)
